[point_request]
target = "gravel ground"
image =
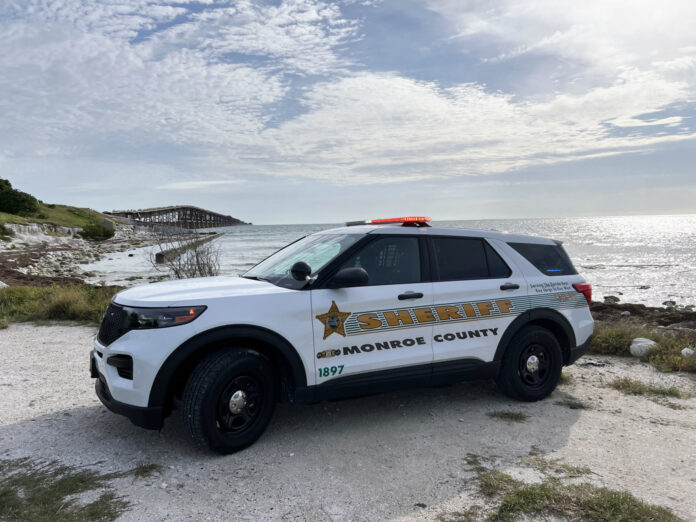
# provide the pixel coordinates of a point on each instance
(365, 459)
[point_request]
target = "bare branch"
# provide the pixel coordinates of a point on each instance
(185, 254)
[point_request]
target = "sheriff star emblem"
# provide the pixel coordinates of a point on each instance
(333, 321)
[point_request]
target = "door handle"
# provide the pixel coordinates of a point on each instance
(410, 295)
(509, 286)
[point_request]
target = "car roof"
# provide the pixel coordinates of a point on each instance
(438, 231)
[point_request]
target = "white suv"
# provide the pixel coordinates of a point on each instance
(362, 309)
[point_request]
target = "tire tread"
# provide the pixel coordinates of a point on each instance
(198, 386)
(508, 370)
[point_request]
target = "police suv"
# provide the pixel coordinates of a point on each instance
(370, 307)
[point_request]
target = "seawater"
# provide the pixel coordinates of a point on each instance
(639, 259)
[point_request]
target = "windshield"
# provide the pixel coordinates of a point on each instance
(315, 250)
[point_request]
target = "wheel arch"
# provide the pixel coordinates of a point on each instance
(174, 372)
(547, 318)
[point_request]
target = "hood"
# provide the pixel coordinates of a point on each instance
(191, 292)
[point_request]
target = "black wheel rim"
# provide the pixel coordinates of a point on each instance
(236, 422)
(535, 372)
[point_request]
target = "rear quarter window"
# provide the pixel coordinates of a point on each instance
(550, 260)
(461, 259)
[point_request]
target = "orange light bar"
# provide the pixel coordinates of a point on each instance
(407, 219)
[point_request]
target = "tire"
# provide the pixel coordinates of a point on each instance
(516, 378)
(217, 418)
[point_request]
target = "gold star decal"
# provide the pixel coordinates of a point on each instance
(333, 321)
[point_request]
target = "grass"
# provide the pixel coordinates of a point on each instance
(6, 218)
(59, 215)
(496, 482)
(55, 303)
(38, 491)
(666, 356)
(509, 499)
(474, 462)
(509, 416)
(633, 387)
(583, 501)
(144, 470)
(556, 466)
(4, 323)
(573, 404)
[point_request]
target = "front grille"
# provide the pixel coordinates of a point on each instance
(113, 325)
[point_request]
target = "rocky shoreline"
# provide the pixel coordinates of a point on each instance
(666, 317)
(41, 255)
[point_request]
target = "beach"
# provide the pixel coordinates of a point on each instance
(410, 455)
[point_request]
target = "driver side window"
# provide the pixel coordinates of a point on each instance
(389, 261)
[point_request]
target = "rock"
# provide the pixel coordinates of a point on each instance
(3, 285)
(687, 352)
(669, 304)
(625, 313)
(641, 346)
(611, 299)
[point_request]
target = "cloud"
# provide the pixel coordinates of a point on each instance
(240, 89)
(137, 72)
(398, 129)
(601, 39)
(199, 184)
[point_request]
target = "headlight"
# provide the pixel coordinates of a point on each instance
(145, 318)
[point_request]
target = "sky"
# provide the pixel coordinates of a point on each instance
(306, 111)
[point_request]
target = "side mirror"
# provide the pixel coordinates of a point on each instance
(301, 271)
(347, 277)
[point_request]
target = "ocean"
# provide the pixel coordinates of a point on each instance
(638, 259)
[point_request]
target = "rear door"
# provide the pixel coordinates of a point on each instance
(374, 327)
(477, 294)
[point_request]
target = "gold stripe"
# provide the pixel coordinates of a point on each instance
(430, 324)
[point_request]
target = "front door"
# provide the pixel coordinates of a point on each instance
(477, 295)
(375, 327)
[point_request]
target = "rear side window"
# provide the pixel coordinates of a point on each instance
(467, 258)
(550, 260)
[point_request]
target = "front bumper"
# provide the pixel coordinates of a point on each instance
(579, 351)
(146, 417)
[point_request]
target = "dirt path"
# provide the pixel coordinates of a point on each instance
(374, 458)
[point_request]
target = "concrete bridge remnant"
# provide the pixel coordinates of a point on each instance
(182, 216)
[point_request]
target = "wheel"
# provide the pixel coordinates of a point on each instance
(228, 401)
(531, 365)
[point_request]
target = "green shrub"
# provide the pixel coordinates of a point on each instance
(15, 201)
(5, 233)
(612, 342)
(667, 356)
(96, 232)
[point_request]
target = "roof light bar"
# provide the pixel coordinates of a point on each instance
(419, 221)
